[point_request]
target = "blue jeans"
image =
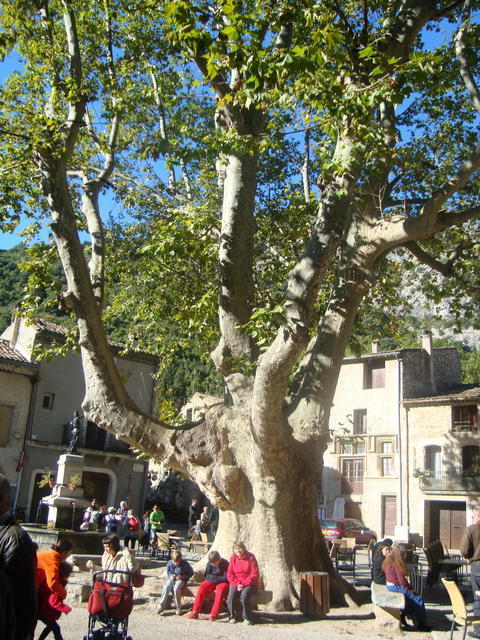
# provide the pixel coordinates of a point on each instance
(414, 605)
(172, 587)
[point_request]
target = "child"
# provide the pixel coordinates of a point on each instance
(51, 607)
(196, 531)
(215, 580)
(179, 572)
(132, 528)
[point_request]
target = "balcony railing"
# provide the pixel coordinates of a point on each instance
(465, 425)
(450, 482)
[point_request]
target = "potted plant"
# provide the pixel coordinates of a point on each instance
(74, 481)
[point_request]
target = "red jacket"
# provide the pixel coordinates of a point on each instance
(48, 567)
(50, 606)
(243, 570)
(393, 575)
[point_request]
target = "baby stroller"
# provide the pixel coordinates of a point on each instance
(109, 606)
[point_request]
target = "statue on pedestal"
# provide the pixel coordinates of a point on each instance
(75, 423)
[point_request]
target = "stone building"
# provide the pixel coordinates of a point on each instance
(37, 402)
(392, 414)
(444, 462)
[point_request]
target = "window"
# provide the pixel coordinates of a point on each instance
(386, 446)
(374, 375)
(386, 467)
(351, 448)
(359, 421)
(6, 415)
(47, 400)
(433, 460)
(465, 418)
(470, 460)
(352, 472)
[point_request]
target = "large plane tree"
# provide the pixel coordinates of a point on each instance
(277, 165)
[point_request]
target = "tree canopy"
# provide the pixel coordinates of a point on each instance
(277, 167)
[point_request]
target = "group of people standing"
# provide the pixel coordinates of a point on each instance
(204, 521)
(235, 581)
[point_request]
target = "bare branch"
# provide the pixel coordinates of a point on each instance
(305, 168)
(460, 48)
(162, 123)
(75, 110)
(445, 268)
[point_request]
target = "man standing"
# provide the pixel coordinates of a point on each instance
(193, 514)
(18, 559)
(470, 549)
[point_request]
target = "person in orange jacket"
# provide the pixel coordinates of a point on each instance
(51, 607)
(48, 566)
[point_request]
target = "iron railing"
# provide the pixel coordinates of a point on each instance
(460, 426)
(450, 482)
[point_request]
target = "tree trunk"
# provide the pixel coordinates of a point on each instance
(267, 501)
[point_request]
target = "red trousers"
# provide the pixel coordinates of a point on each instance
(221, 590)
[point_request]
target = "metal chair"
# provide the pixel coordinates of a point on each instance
(345, 559)
(459, 609)
(415, 577)
(163, 551)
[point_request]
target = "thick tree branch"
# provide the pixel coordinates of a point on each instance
(275, 365)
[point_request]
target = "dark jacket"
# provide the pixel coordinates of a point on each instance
(216, 574)
(181, 571)
(7, 615)
(193, 515)
(18, 558)
(470, 543)
(378, 575)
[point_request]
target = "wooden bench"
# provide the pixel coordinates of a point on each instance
(439, 562)
(387, 605)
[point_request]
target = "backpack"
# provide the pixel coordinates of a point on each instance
(112, 523)
(133, 523)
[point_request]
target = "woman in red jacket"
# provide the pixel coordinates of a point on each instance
(242, 576)
(396, 572)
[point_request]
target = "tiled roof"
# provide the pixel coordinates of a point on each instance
(460, 393)
(50, 327)
(13, 361)
(7, 353)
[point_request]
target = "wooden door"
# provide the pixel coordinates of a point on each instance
(452, 522)
(389, 510)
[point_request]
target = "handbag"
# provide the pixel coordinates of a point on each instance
(138, 580)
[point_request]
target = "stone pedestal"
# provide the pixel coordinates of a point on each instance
(65, 504)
